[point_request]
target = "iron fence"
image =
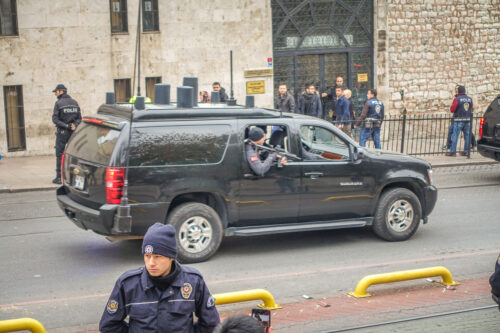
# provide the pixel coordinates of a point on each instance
(419, 134)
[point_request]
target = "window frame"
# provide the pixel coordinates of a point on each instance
(128, 93)
(20, 111)
(155, 16)
(157, 80)
(122, 15)
(336, 136)
(13, 15)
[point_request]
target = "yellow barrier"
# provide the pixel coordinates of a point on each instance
(21, 324)
(368, 280)
(248, 295)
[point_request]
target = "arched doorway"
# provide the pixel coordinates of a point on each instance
(314, 41)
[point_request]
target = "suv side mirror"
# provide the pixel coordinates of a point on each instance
(357, 154)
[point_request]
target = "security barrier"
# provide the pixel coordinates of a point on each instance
(21, 324)
(368, 280)
(248, 295)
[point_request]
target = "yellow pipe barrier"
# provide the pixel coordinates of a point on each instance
(21, 324)
(248, 295)
(368, 280)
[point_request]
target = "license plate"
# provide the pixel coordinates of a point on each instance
(79, 182)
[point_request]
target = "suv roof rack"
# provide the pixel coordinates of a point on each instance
(171, 111)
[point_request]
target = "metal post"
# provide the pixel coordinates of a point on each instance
(470, 133)
(231, 100)
(402, 92)
(139, 50)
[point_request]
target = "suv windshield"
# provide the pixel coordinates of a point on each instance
(93, 143)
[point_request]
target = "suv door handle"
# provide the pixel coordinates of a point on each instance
(250, 176)
(313, 175)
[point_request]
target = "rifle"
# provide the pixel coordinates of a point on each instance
(278, 150)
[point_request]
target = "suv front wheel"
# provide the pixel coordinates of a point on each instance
(199, 231)
(398, 215)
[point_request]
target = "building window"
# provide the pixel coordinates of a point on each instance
(122, 90)
(150, 86)
(150, 20)
(14, 117)
(118, 9)
(8, 18)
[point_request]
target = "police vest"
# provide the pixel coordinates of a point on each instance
(375, 108)
(464, 107)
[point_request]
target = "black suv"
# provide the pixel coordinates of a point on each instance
(187, 167)
(489, 131)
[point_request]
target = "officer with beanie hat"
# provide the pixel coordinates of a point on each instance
(259, 163)
(162, 295)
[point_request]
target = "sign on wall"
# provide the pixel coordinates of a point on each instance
(255, 87)
(363, 77)
(259, 72)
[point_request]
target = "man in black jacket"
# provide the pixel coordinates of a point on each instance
(66, 117)
(222, 92)
(284, 100)
(310, 103)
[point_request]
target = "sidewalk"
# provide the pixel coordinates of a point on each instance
(18, 174)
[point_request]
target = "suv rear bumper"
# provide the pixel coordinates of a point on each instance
(488, 150)
(99, 221)
(104, 220)
(430, 198)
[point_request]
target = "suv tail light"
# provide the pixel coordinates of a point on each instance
(481, 124)
(115, 178)
(62, 168)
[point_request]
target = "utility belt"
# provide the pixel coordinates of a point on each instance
(371, 122)
(63, 131)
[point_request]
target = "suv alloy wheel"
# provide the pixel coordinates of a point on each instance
(199, 231)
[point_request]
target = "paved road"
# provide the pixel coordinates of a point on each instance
(61, 275)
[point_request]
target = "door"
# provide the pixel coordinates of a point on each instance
(274, 197)
(333, 187)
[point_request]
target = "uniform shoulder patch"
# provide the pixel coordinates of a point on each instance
(112, 306)
(191, 270)
(210, 302)
(254, 159)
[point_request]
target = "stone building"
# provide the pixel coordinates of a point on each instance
(422, 46)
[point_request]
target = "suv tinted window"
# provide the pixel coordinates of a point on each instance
(93, 143)
(321, 141)
(179, 145)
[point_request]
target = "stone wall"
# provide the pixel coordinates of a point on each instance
(429, 46)
(70, 42)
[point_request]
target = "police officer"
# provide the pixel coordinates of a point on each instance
(66, 116)
(462, 110)
(259, 163)
(162, 295)
(371, 117)
(495, 283)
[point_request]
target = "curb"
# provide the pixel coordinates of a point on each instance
(27, 189)
(450, 165)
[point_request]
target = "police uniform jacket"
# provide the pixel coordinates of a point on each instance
(461, 107)
(151, 310)
(373, 109)
(66, 112)
(258, 166)
(495, 280)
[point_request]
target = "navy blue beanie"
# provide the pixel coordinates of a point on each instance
(255, 134)
(160, 239)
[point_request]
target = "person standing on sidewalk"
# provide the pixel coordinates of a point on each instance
(284, 100)
(495, 283)
(342, 109)
(371, 119)
(310, 103)
(162, 295)
(66, 116)
(462, 110)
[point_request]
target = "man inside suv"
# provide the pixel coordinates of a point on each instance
(258, 163)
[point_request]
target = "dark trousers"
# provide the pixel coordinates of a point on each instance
(62, 138)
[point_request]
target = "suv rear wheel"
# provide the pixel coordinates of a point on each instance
(398, 215)
(199, 231)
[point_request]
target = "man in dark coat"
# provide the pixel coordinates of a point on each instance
(66, 116)
(162, 295)
(284, 100)
(310, 103)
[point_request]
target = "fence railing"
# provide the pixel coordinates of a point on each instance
(416, 134)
